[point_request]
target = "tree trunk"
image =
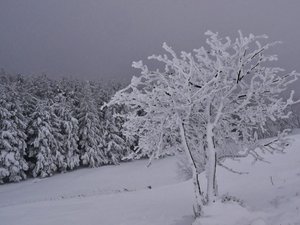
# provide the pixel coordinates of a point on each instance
(197, 189)
(211, 166)
(216, 191)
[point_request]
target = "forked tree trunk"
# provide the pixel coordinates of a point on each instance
(197, 189)
(211, 166)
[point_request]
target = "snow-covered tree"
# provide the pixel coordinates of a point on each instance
(91, 134)
(12, 136)
(116, 144)
(42, 87)
(43, 146)
(67, 126)
(215, 99)
(272, 127)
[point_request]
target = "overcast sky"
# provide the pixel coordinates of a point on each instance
(100, 38)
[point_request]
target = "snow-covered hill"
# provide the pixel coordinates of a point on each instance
(131, 194)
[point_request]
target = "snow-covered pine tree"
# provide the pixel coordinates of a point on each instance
(116, 144)
(70, 89)
(91, 134)
(43, 147)
(68, 157)
(12, 136)
(272, 127)
(219, 95)
(42, 87)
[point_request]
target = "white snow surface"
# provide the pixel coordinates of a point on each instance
(119, 195)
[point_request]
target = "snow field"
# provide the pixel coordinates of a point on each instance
(119, 195)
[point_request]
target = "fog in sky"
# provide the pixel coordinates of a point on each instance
(93, 39)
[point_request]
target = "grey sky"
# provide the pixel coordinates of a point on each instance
(99, 39)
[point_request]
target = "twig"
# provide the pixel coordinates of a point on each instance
(271, 178)
(232, 170)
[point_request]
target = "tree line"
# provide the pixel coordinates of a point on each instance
(49, 126)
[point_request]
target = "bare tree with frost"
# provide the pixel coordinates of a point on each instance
(215, 99)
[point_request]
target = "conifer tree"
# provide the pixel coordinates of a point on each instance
(42, 143)
(68, 134)
(91, 142)
(12, 137)
(115, 142)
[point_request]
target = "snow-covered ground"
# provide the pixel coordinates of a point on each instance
(121, 195)
(271, 191)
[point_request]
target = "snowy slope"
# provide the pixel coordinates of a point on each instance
(119, 195)
(89, 182)
(271, 191)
